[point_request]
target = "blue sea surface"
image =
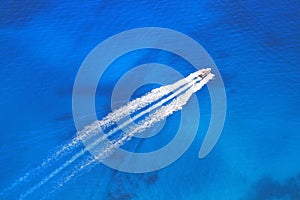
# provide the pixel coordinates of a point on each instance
(256, 46)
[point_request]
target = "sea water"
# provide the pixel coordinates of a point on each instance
(255, 46)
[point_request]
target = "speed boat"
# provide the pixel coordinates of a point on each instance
(204, 72)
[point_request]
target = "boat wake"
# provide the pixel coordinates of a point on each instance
(73, 158)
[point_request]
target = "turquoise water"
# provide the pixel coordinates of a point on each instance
(255, 46)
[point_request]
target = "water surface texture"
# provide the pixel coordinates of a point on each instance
(256, 46)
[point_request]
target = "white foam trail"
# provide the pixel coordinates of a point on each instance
(107, 121)
(132, 107)
(83, 151)
(154, 117)
(161, 113)
(164, 114)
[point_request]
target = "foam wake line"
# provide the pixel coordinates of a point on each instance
(178, 93)
(160, 114)
(107, 121)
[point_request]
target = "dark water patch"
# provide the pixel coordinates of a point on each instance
(273, 40)
(120, 187)
(64, 117)
(151, 178)
(271, 24)
(268, 188)
(14, 12)
(119, 196)
(123, 186)
(236, 14)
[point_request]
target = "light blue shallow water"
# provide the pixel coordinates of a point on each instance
(255, 46)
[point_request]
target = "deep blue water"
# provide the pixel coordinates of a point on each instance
(255, 44)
